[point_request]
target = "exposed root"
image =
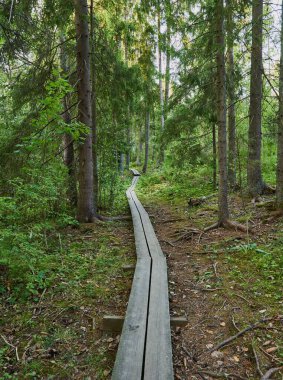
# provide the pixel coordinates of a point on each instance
(267, 189)
(112, 218)
(229, 224)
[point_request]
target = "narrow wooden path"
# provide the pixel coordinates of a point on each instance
(145, 349)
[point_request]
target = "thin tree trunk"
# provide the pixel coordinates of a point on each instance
(255, 182)
(279, 179)
(85, 210)
(221, 115)
(128, 153)
(93, 108)
(68, 145)
(232, 150)
(121, 162)
(140, 144)
(161, 99)
(167, 71)
(168, 57)
(147, 127)
(214, 154)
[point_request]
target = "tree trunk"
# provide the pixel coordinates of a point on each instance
(161, 99)
(214, 155)
(168, 57)
(140, 144)
(221, 115)
(279, 179)
(93, 108)
(121, 162)
(128, 153)
(85, 211)
(232, 150)
(68, 144)
(167, 71)
(147, 126)
(255, 182)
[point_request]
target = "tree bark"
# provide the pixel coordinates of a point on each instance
(254, 175)
(68, 144)
(214, 156)
(93, 108)
(232, 150)
(221, 115)
(85, 209)
(140, 144)
(147, 127)
(279, 177)
(168, 57)
(161, 98)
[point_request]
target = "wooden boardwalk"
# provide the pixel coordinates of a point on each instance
(145, 350)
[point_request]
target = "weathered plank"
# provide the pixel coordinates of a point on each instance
(130, 355)
(158, 354)
(115, 322)
(145, 350)
(129, 358)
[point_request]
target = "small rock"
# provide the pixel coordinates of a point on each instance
(222, 324)
(236, 359)
(209, 346)
(217, 354)
(262, 311)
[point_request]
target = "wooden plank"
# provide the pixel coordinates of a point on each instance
(132, 362)
(112, 323)
(158, 356)
(115, 322)
(129, 359)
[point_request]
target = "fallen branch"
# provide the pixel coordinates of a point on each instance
(168, 242)
(270, 372)
(257, 361)
(240, 333)
(220, 375)
(11, 345)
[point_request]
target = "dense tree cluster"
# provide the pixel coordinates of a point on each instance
(88, 87)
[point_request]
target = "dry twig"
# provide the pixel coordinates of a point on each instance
(270, 372)
(11, 345)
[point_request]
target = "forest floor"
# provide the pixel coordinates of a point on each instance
(56, 333)
(222, 280)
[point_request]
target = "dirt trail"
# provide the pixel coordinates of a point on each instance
(215, 306)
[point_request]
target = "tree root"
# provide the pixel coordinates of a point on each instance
(229, 224)
(112, 218)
